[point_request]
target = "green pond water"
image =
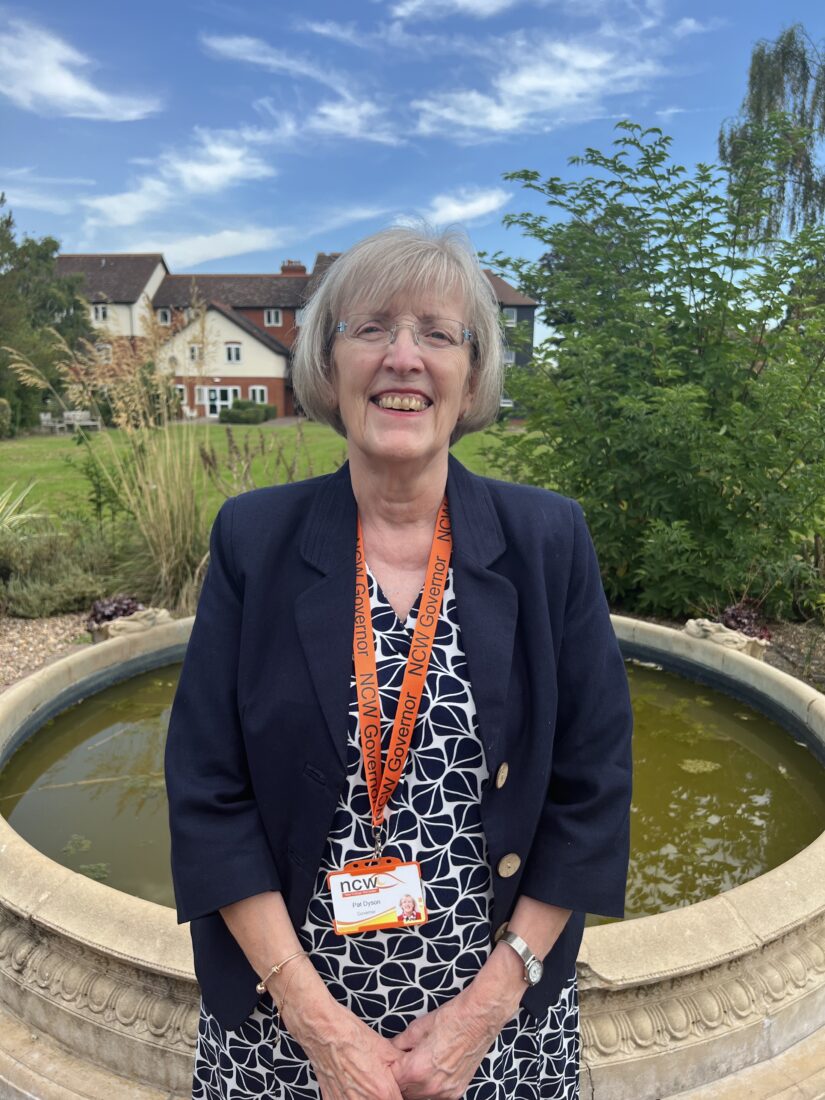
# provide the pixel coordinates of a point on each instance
(722, 794)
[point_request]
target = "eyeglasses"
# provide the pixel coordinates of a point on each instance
(436, 332)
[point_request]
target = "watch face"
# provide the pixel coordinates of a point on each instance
(534, 972)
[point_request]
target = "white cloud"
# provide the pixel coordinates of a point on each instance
(396, 35)
(216, 160)
(467, 204)
(338, 32)
(129, 207)
(28, 175)
(692, 26)
(434, 9)
(556, 82)
(345, 215)
(26, 199)
(43, 73)
(353, 118)
(668, 113)
(348, 117)
(254, 51)
(200, 248)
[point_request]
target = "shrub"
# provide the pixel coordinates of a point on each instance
(114, 607)
(53, 569)
(271, 412)
(5, 419)
(151, 463)
(254, 414)
(680, 396)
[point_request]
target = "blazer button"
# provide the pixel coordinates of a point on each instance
(501, 775)
(508, 865)
(502, 928)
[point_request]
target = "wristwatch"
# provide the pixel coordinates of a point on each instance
(533, 968)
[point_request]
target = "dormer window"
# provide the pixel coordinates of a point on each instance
(164, 316)
(273, 318)
(233, 353)
(100, 312)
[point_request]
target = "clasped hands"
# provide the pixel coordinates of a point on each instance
(434, 1058)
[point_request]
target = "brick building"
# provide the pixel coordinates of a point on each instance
(240, 346)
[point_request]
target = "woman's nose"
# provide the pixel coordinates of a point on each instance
(403, 352)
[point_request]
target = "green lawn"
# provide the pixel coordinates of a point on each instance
(53, 463)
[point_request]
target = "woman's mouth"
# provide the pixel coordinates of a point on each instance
(398, 402)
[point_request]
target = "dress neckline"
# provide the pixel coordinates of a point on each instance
(404, 624)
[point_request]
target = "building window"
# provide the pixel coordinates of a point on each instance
(200, 395)
(509, 356)
(164, 317)
(299, 317)
(510, 317)
(195, 353)
(273, 318)
(233, 353)
(104, 352)
(258, 394)
(100, 313)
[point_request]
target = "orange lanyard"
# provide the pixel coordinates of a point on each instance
(381, 782)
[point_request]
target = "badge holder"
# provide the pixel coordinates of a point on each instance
(373, 893)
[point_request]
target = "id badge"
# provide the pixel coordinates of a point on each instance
(368, 894)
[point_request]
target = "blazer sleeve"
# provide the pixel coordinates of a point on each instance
(579, 856)
(220, 853)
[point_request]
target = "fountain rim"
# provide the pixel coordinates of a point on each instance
(614, 956)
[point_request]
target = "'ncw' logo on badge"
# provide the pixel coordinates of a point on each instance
(367, 884)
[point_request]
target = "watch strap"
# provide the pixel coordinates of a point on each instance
(524, 953)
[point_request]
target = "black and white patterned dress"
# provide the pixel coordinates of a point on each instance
(390, 977)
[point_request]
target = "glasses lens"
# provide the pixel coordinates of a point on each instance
(368, 329)
(437, 332)
(441, 333)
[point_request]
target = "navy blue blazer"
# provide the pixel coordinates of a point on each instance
(255, 755)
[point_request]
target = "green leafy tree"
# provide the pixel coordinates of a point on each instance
(33, 301)
(787, 78)
(681, 395)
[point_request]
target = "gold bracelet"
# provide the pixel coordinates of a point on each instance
(279, 1009)
(276, 969)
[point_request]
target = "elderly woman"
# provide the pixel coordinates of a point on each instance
(402, 680)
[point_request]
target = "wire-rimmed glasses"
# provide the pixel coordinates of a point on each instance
(433, 332)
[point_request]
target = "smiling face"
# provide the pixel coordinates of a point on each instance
(400, 402)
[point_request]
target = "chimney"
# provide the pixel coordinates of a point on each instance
(293, 267)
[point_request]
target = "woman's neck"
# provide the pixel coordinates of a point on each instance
(398, 497)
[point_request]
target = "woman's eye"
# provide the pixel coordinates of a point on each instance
(370, 330)
(438, 335)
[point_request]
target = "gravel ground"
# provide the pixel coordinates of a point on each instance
(28, 644)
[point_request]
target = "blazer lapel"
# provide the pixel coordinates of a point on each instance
(487, 602)
(324, 612)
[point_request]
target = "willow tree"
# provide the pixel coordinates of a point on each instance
(786, 80)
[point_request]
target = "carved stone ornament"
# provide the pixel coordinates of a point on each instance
(651, 1018)
(115, 1013)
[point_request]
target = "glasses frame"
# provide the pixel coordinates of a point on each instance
(413, 326)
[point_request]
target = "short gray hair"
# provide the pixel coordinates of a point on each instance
(374, 272)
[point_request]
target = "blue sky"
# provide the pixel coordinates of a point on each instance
(233, 135)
